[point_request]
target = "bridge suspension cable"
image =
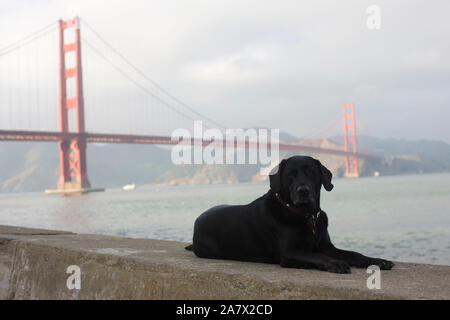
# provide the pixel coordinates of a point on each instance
(26, 40)
(28, 82)
(146, 77)
(328, 127)
(123, 73)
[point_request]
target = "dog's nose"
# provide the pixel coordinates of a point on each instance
(303, 190)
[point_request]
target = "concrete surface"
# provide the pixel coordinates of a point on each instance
(33, 265)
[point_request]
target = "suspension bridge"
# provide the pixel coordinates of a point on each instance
(53, 91)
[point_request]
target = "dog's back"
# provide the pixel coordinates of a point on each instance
(238, 232)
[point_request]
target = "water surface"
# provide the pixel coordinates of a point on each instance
(404, 218)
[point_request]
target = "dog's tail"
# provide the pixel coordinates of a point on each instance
(190, 247)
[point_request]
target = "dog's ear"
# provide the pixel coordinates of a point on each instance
(325, 176)
(275, 176)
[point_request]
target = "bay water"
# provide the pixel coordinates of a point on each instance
(403, 218)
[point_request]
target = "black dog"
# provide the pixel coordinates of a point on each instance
(285, 226)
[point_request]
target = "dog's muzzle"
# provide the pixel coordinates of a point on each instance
(302, 195)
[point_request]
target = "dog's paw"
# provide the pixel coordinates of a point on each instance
(338, 266)
(365, 262)
(383, 264)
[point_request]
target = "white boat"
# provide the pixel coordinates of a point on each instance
(128, 187)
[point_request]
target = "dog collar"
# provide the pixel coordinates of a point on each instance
(311, 218)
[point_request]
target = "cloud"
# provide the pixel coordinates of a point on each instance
(246, 66)
(285, 64)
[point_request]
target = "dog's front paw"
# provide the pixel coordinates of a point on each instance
(364, 262)
(383, 264)
(338, 266)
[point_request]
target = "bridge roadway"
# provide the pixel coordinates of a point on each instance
(49, 136)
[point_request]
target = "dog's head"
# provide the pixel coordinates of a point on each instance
(299, 179)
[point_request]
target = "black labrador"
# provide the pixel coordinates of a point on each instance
(285, 226)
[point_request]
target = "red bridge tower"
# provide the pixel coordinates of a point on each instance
(351, 162)
(72, 152)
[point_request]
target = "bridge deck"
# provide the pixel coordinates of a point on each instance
(48, 136)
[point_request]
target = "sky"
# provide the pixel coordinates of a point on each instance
(281, 64)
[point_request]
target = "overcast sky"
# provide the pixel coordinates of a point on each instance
(282, 64)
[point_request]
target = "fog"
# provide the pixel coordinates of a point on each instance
(281, 64)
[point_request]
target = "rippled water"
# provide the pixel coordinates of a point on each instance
(405, 218)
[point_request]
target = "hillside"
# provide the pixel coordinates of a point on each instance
(403, 156)
(28, 166)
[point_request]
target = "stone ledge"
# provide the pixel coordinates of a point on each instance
(33, 265)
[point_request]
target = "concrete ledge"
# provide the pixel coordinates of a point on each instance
(33, 265)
